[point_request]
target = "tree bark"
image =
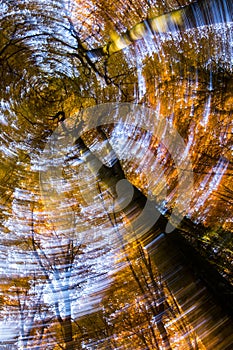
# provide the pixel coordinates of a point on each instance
(68, 333)
(164, 335)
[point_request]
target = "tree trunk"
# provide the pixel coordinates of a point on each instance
(164, 335)
(68, 334)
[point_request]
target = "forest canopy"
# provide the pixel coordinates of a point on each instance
(76, 271)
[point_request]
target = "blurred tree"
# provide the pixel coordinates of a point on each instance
(48, 74)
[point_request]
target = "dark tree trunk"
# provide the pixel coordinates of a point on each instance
(164, 335)
(68, 333)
